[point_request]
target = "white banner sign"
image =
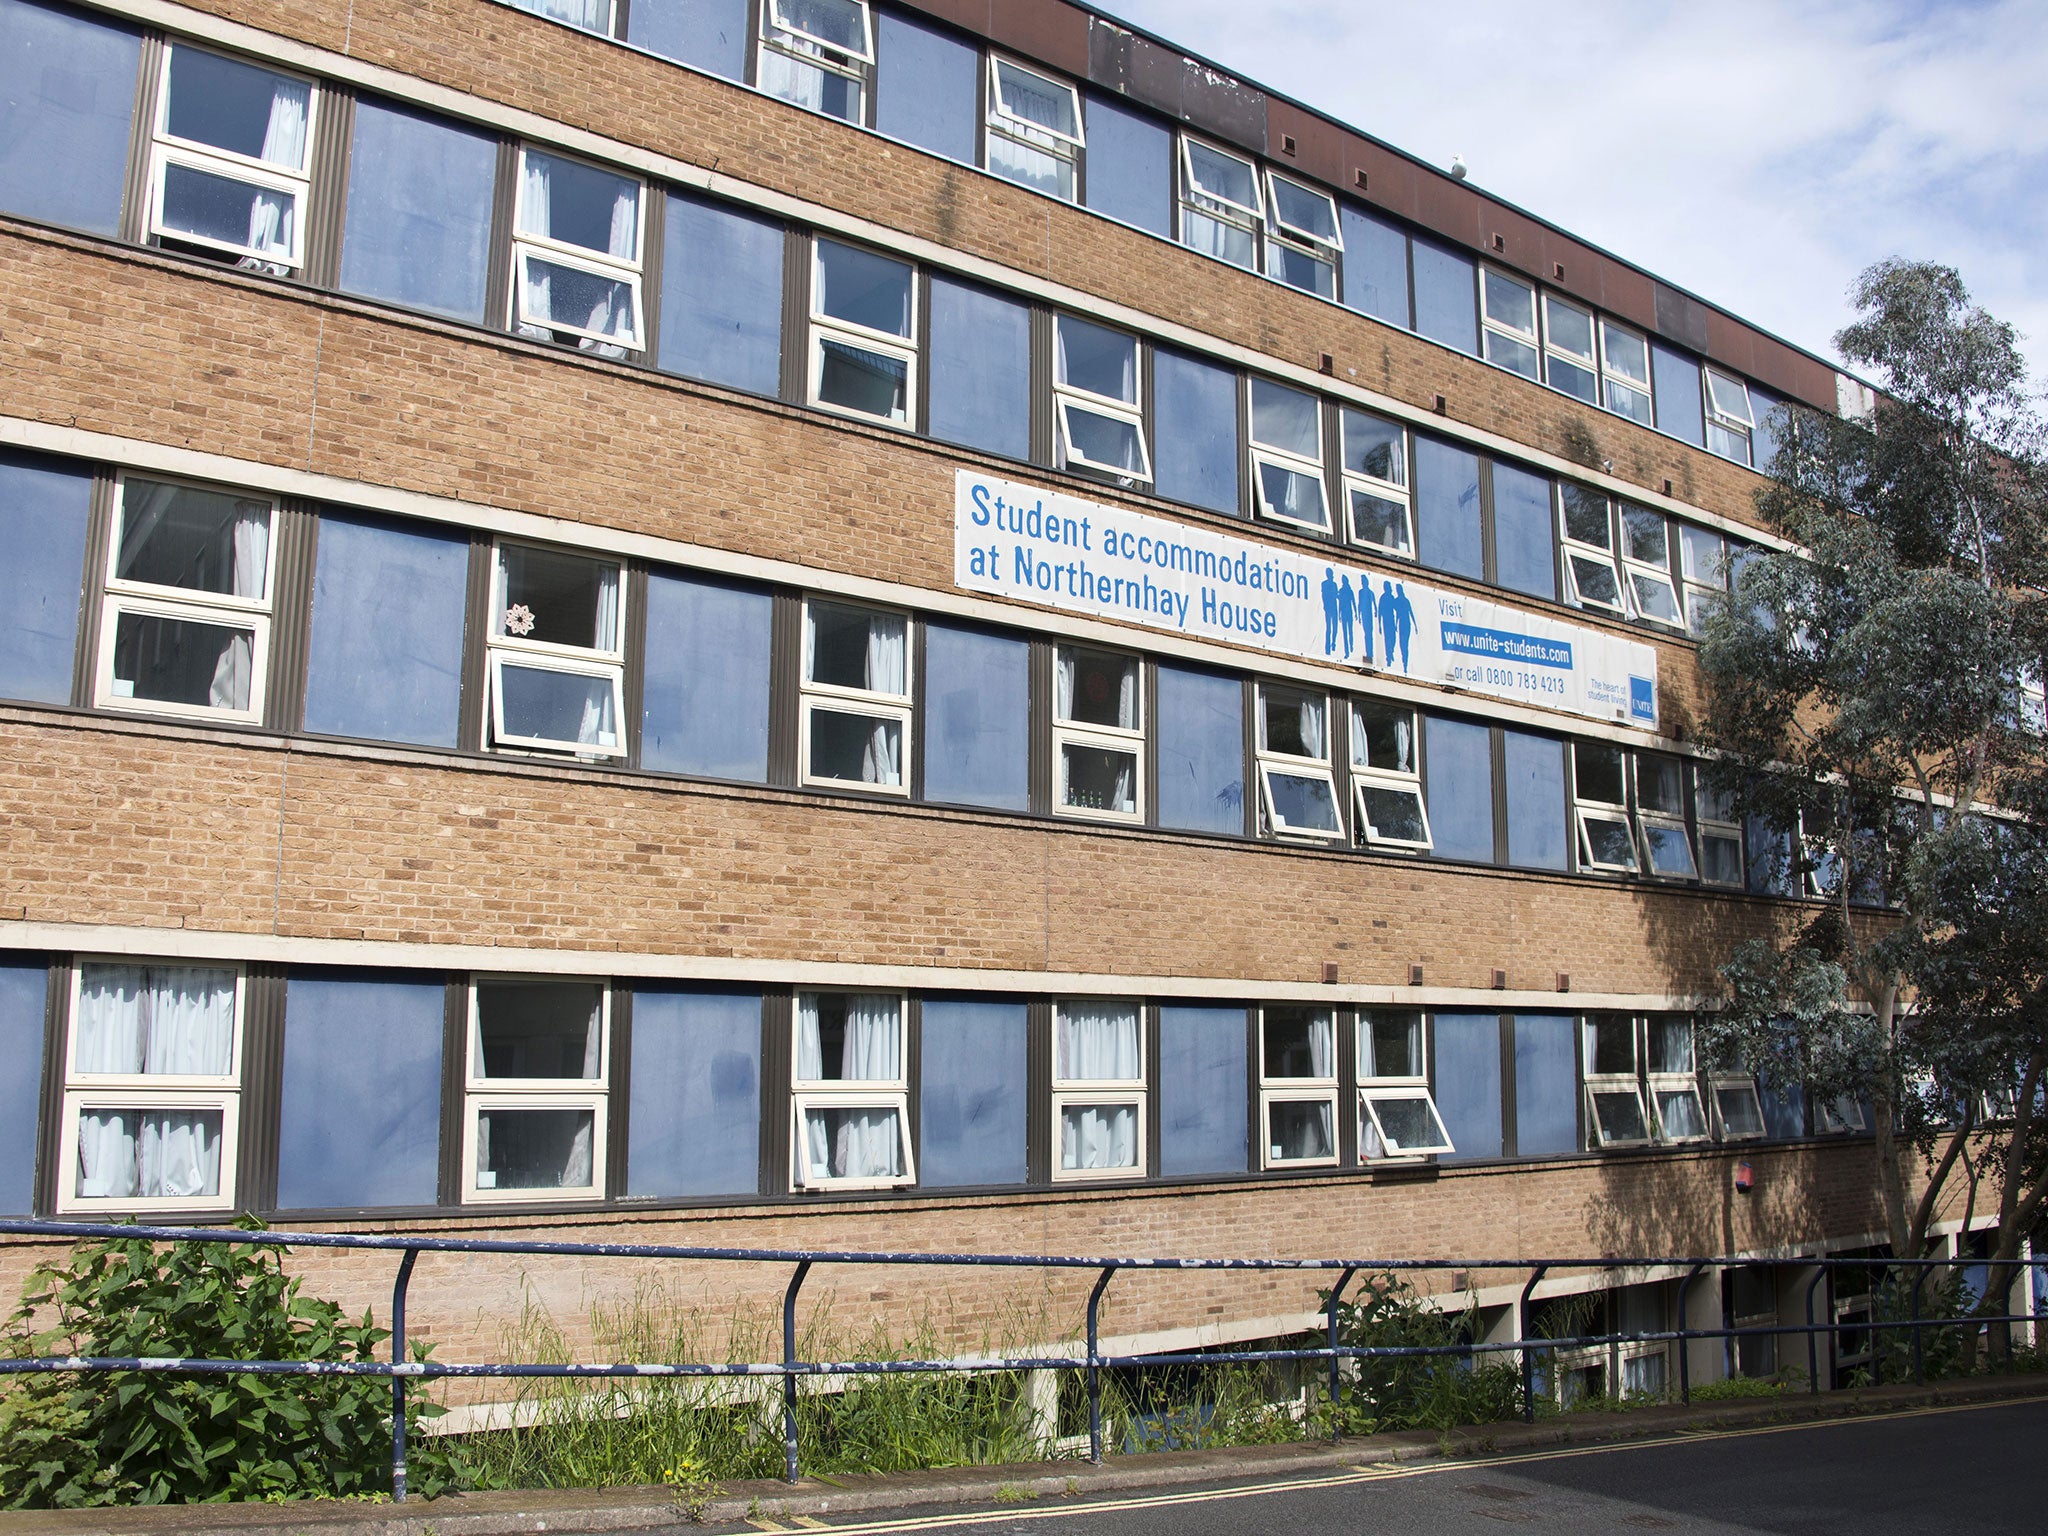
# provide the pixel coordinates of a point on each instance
(1040, 546)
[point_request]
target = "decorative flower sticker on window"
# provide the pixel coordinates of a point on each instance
(519, 620)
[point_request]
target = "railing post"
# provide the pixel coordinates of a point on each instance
(1919, 1353)
(1095, 1364)
(1820, 1273)
(796, 1283)
(1528, 1359)
(1685, 1337)
(1336, 1381)
(397, 1381)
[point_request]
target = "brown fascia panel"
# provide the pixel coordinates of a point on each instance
(1056, 34)
(1322, 150)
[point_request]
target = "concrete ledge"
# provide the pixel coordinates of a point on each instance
(658, 1508)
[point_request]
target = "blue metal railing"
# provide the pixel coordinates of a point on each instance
(791, 1369)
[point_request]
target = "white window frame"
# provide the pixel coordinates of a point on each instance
(1701, 587)
(607, 663)
(1034, 137)
(807, 1094)
(150, 1091)
(1586, 809)
(1366, 775)
(1718, 828)
(1490, 328)
(1612, 377)
(1734, 431)
(772, 19)
(186, 605)
(1264, 453)
(1221, 210)
(1072, 397)
(1104, 738)
(807, 50)
(539, 8)
(1598, 1084)
(870, 703)
(1688, 1082)
(1354, 482)
(824, 327)
(1375, 1087)
(1736, 1082)
(1319, 769)
(1318, 248)
(480, 1093)
(1648, 820)
(1297, 1090)
(1839, 1116)
(1098, 1093)
(1635, 569)
(1576, 549)
(1587, 362)
(167, 148)
(564, 253)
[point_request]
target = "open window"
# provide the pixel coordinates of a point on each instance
(576, 254)
(1738, 1108)
(863, 358)
(1703, 561)
(1586, 531)
(185, 622)
(1840, 1116)
(1035, 134)
(1098, 393)
(1098, 734)
(1297, 786)
(855, 697)
(1721, 855)
(1660, 812)
(1297, 1087)
(1376, 495)
(1221, 211)
(1508, 308)
(850, 1092)
(1570, 361)
(1397, 1118)
(1730, 417)
(230, 161)
(152, 1088)
(818, 54)
(534, 1124)
(1646, 562)
(556, 653)
(1287, 455)
(1098, 1089)
(1673, 1077)
(1303, 240)
(1615, 1113)
(1625, 372)
(1386, 777)
(1607, 841)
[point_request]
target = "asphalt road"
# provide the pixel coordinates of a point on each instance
(1976, 1470)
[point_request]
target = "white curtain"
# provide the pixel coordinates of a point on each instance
(1126, 786)
(783, 76)
(1063, 686)
(149, 1153)
(599, 727)
(233, 672)
(1370, 1143)
(576, 1166)
(1312, 736)
(284, 144)
(1125, 385)
(1404, 750)
(1322, 1046)
(1065, 678)
(861, 1143)
(1098, 1042)
(1303, 1130)
(870, 1050)
(1099, 1136)
(151, 1020)
(880, 759)
(887, 653)
(590, 15)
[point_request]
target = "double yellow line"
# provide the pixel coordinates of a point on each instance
(1375, 1473)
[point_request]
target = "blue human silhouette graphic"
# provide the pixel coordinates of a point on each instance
(1347, 612)
(1365, 608)
(1388, 622)
(1330, 612)
(1405, 618)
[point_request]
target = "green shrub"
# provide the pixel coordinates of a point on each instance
(1436, 1392)
(70, 1440)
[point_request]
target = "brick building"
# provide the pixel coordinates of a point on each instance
(853, 623)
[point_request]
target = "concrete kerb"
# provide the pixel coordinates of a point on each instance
(660, 1509)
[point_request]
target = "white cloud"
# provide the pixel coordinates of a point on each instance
(1760, 154)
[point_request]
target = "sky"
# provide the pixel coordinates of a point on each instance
(1760, 153)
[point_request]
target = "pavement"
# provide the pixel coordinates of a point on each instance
(776, 1505)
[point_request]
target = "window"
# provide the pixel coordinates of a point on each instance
(1532, 781)
(693, 1126)
(1592, 579)
(1098, 734)
(152, 1088)
(973, 1120)
(1607, 840)
(1660, 811)
(1524, 540)
(1444, 307)
(64, 155)
(1646, 561)
(1375, 266)
(1569, 362)
(1205, 1124)
(1674, 1081)
(45, 512)
(1738, 1110)
(418, 225)
(1840, 1116)
(721, 295)
(927, 86)
(1303, 241)
(1298, 789)
(1298, 1087)
(1201, 751)
(599, 16)
(1034, 128)
(557, 662)
(978, 350)
(1287, 455)
(818, 54)
(1677, 376)
(538, 1058)
(1625, 371)
(229, 166)
(1130, 165)
(1098, 1090)
(1101, 410)
(1194, 415)
(1376, 484)
(1221, 212)
(851, 1092)
(1460, 800)
(1386, 780)
(185, 627)
(576, 254)
(863, 334)
(1721, 860)
(1729, 417)
(1508, 309)
(1396, 1115)
(705, 677)
(1450, 522)
(1615, 1116)
(856, 696)
(977, 714)
(1703, 556)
